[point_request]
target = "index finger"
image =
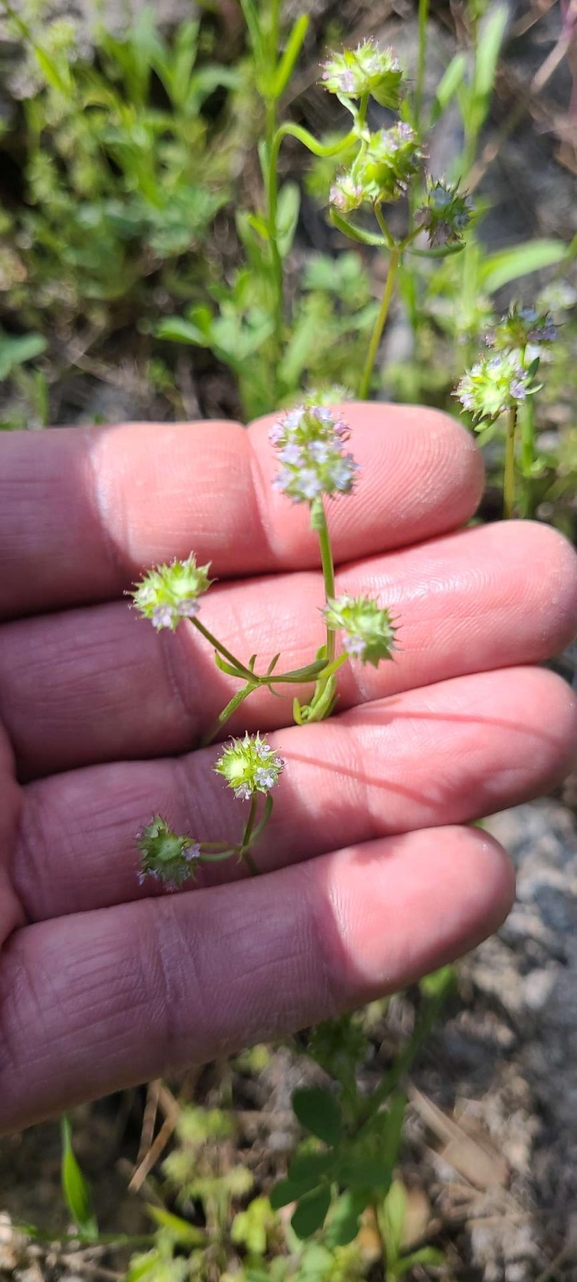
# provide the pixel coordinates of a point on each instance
(83, 510)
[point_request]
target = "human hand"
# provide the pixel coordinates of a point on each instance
(371, 879)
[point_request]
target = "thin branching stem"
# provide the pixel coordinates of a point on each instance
(365, 383)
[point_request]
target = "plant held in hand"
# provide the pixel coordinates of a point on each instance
(314, 468)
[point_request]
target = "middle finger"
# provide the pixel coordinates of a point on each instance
(98, 684)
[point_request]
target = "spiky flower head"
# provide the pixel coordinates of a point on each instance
(494, 385)
(522, 327)
(165, 856)
(249, 766)
(333, 395)
(168, 594)
(445, 215)
(365, 70)
(382, 171)
(309, 442)
(370, 631)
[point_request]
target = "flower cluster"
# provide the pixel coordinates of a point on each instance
(494, 385)
(382, 170)
(520, 328)
(168, 594)
(249, 766)
(445, 215)
(370, 631)
(309, 442)
(165, 856)
(365, 70)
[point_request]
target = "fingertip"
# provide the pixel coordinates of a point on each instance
(404, 906)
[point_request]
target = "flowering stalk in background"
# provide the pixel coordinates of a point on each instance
(502, 383)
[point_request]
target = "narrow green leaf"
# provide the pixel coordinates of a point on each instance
(509, 264)
(293, 47)
(438, 982)
(311, 1212)
(184, 1233)
(343, 1225)
(258, 225)
(51, 72)
(394, 1216)
(287, 217)
(427, 1255)
(441, 252)
(74, 1187)
(319, 1112)
(488, 49)
(177, 330)
(225, 667)
(355, 233)
(448, 85)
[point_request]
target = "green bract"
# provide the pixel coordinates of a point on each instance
(365, 70)
(249, 766)
(494, 385)
(168, 594)
(445, 215)
(166, 856)
(522, 326)
(370, 631)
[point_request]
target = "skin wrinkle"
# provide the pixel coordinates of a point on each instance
(179, 675)
(170, 945)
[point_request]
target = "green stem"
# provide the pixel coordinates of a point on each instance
(226, 654)
(244, 852)
(319, 523)
(420, 79)
(272, 153)
(288, 130)
(404, 1061)
(325, 688)
(379, 1231)
(365, 383)
(527, 454)
(509, 479)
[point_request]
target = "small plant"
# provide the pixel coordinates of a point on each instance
(313, 467)
(502, 384)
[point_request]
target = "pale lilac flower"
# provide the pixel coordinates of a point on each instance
(265, 778)
(309, 442)
(188, 609)
(355, 646)
(291, 453)
(163, 616)
(319, 451)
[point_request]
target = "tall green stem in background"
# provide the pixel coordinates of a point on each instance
(365, 383)
(421, 56)
(509, 481)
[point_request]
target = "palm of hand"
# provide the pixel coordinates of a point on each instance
(371, 877)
